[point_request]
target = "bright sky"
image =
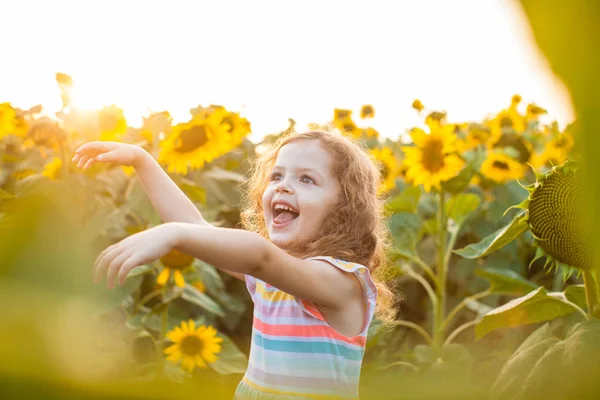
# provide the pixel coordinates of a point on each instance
(277, 59)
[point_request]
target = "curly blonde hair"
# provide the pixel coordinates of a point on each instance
(354, 230)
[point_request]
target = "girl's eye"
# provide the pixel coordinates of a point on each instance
(275, 176)
(306, 179)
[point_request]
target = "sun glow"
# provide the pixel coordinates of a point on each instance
(168, 60)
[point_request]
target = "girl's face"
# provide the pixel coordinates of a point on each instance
(300, 194)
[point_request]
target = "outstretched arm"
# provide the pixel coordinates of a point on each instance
(166, 197)
(249, 253)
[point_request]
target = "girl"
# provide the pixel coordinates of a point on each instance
(314, 235)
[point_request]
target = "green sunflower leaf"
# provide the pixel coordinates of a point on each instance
(461, 206)
(505, 281)
(534, 307)
(406, 201)
(496, 240)
(231, 359)
(576, 294)
(194, 296)
(194, 191)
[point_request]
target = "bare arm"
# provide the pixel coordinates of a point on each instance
(248, 253)
(168, 199)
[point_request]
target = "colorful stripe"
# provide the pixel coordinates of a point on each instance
(295, 352)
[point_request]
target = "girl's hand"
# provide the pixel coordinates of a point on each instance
(138, 249)
(115, 152)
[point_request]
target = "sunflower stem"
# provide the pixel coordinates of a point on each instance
(164, 325)
(440, 306)
(591, 293)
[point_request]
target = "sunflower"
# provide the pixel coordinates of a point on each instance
(417, 105)
(388, 166)
(53, 169)
(477, 134)
(432, 159)
(44, 132)
(192, 144)
(370, 132)
(507, 121)
(554, 215)
(155, 123)
(341, 114)
(175, 261)
(236, 126)
(112, 123)
(348, 127)
(556, 151)
(8, 119)
(534, 111)
(367, 111)
(501, 168)
(195, 347)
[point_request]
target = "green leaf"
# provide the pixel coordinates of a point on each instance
(405, 229)
(140, 270)
(461, 206)
(505, 281)
(221, 174)
(534, 307)
(231, 359)
(194, 296)
(407, 201)
(460, 182)
(517, 369)
(194, 191)
(576, 294)
(172, 293)
(496, 240)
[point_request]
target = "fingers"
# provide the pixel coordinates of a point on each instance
(128, 265)
(114, 267)
(94, 148)
(90, 162)
(103, 261)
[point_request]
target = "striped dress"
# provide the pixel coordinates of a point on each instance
(294, 353)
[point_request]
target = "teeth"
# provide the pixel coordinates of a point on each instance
(282, 207)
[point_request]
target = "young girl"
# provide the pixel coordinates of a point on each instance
(314, 235)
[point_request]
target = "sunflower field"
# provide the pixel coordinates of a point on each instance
(492, 255)
(487, 242)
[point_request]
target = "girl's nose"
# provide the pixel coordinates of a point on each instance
(283, 187)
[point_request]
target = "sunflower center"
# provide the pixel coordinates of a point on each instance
(560, 142)
(176, 260)
(433, 158)
(191, 346)
(191, 139)
(554, 218)
(506, 122)
(500, 165)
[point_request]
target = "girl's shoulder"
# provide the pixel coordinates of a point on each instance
(361, 272)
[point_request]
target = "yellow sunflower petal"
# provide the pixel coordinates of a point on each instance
(163, 277)
(200, 362)
(192, 326)
(175, 336)
(179, 281)
(175, 357)
(418, 137)
(171, 349)
(188, 363)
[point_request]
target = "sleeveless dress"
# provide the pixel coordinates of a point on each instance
(294, 353)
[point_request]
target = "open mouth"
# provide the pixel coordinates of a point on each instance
(283, 214)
